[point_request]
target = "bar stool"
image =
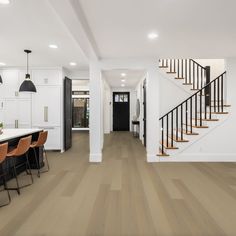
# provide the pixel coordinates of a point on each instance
(3, 155)
(21, 149)
(42, 139)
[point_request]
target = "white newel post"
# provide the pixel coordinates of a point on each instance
(96, 113)
(153, 103)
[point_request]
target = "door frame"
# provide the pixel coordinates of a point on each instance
(129, 104)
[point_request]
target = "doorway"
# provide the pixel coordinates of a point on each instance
(144, 112)
(121, 111)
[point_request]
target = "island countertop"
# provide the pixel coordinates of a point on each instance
(9, 134)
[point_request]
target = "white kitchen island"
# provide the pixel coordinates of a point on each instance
(9, 134)
(12, 137)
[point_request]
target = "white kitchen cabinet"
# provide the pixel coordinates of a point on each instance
(47, 77)
(17, 113)
(10, 84)
(12, 79)
(46, 106)
(54, 137)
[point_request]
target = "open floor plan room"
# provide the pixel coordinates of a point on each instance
(117, 118)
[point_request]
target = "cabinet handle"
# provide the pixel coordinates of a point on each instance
(16, 124)
(45, 114)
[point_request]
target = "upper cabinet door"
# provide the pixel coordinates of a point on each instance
(46, 106)
(10, 86)
(24, 113)
(47, 77)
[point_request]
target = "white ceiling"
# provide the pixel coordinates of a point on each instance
(186, 28)
(32, 24)
(113, 77)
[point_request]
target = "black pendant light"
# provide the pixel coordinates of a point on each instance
(27, 85)
(1, 82)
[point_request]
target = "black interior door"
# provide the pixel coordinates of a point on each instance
(144, 112)
(67, 113)
(121, 111)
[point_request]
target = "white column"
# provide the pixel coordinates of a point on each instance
(96, 113)
(153, 103)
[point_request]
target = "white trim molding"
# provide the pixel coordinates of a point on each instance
(95, 157)
(203, 157)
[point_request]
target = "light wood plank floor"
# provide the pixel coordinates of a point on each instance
(123, 196)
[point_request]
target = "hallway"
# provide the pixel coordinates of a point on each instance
(123, 195)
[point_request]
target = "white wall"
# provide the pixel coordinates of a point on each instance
(139, 92)
(107, 107)
(217, 66)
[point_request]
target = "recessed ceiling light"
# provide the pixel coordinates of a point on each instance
(122, 85)
(123, 80)
(152, 35)
(2, 64)
(123, 74)
(54, 46)
(73, 63)
(4, 2)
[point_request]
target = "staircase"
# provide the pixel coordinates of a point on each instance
(183, 123)
(189, 71)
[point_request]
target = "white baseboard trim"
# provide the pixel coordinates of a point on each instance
(152, 158)
(95, 157)
(203, 157)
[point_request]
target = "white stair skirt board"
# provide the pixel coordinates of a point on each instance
(152, 158)
(201, 157)
(95, 157)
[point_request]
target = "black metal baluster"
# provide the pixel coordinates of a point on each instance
(197, 77)
(190, 73)
(174, 66)
(200, 107)
(162, 135)
(193, 75)
(172, 130)
(205, 96)
(177, 124)
(186, 115)
(170, 65)
(210, 100)
(214, 96)
(191, 114)
(186, 70)
(196, 110)
(181, 120)
(167, 131)
(178, 69)
(222, 93)
(218, 93)
(182, 68)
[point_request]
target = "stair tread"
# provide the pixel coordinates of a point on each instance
(160, 154)
(163, 66)
(179, 78)
(179, 140)
(187, 84)
(168, 146)
(198, 126)
(171, 72)
(203, 119)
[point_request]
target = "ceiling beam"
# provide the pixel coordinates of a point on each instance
(71, 15)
